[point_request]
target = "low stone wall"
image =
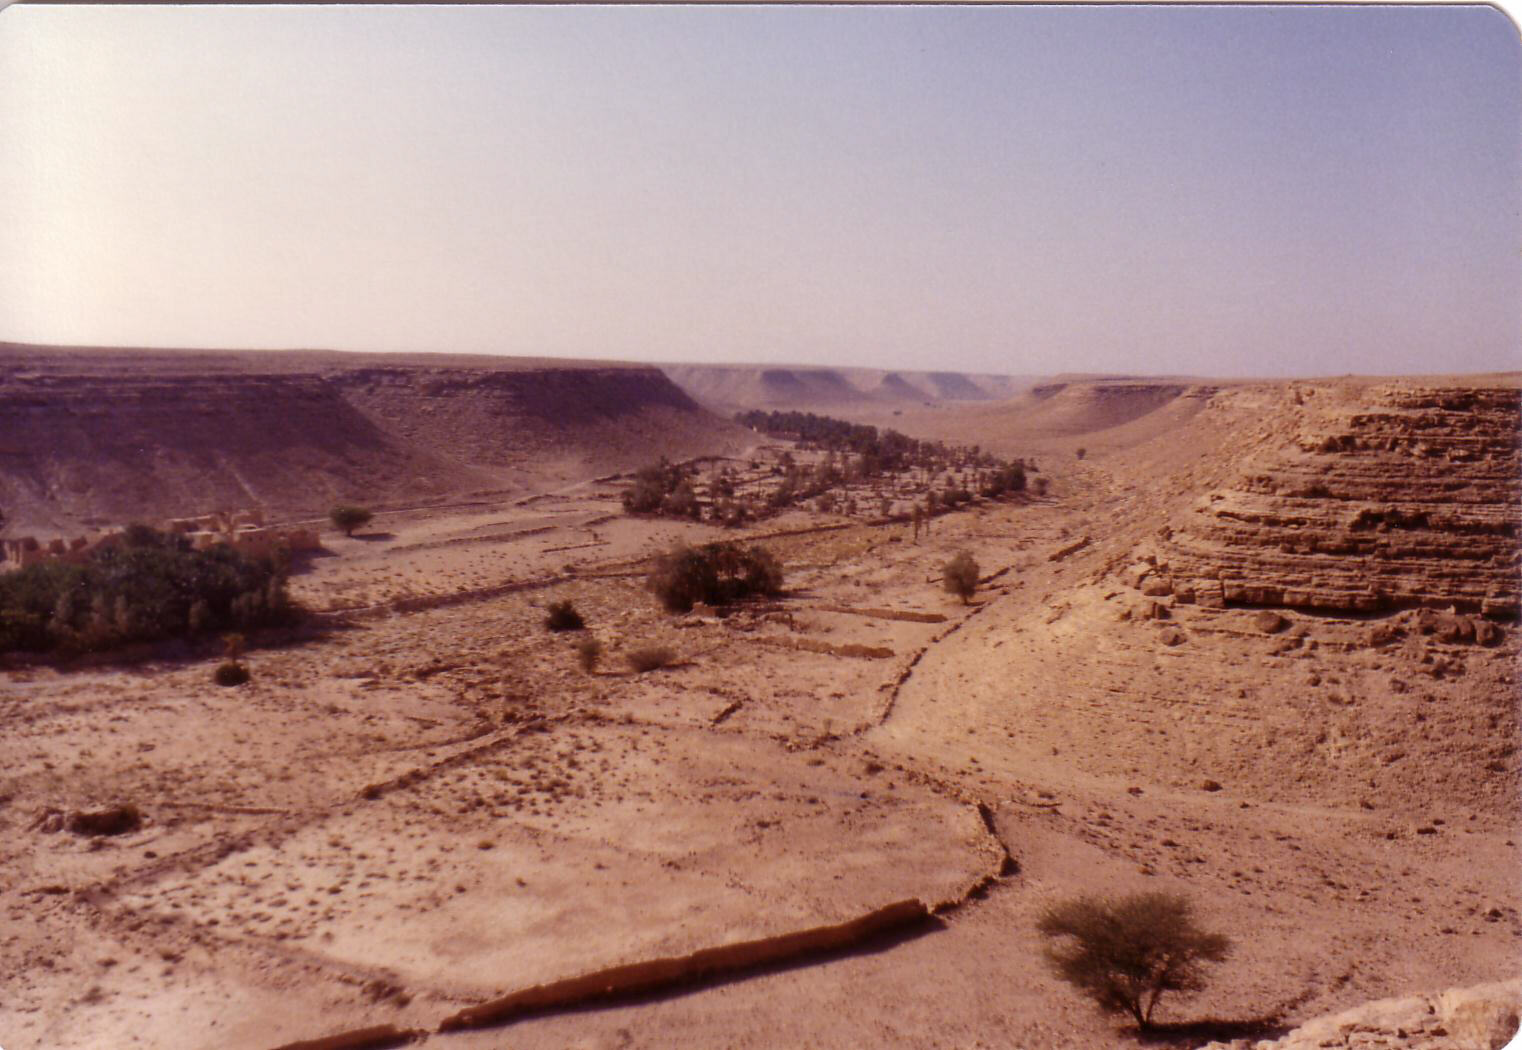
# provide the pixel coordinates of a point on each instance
(378, 1037)
(655, 974)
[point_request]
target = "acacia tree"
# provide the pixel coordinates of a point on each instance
(1126, 954)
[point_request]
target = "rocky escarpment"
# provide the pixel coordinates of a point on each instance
(87, 449)
(1364, 501)
(1480, 1018)
(621, 416)
(86, 439)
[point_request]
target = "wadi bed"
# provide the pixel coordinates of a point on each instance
(423, 801)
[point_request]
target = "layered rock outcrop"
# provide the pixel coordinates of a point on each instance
(1480, 1018)
(1369, 501)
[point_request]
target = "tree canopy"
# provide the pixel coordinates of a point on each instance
(1127, 953)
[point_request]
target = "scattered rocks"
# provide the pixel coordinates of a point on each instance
(1070, 549)
(1210, 785)
(1480, 1018)
(1269, 622)
(1172, 636)
(110, 820)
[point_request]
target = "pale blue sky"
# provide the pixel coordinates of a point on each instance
(1221, 191)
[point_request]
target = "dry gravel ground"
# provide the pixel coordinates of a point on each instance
(429, 803)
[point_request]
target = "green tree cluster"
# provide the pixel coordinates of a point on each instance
(147, 586)
(662, 488)
(714, 573)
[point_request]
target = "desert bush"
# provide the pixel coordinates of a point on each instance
(1009, 478)
(146, 586)
(643, 497)
(784, 495)
(650, 658)
(349, 517)
(230, 672)
(730, 513)
(714, 573)
(681, 502)
(562, 616)
(661, 487)
(588, 652)
(960, 575)
(1125, 954)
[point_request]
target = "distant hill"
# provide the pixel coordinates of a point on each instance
(731, 388)
(105, 436)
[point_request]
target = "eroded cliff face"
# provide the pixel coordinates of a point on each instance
(1366, 501)
(619, 416)
(1316, 585)
(86, 441)
(83, 450)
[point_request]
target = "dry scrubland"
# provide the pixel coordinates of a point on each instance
(427, 803)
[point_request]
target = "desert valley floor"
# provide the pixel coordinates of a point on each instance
(1189, 664)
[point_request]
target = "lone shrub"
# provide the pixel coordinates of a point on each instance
(588, 652)
(562, 616)
(715, 573)
(348, 517)
(960, 575)
(1125, 954)
(230, 672)
(650, 658)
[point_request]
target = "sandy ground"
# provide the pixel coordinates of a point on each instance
(429, 803)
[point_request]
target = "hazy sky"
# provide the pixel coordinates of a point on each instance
(1212, 190)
